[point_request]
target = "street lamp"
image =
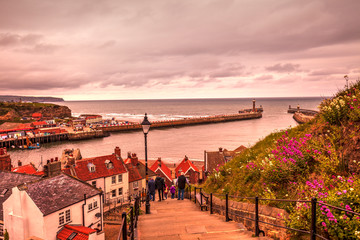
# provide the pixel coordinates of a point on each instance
(146, 127)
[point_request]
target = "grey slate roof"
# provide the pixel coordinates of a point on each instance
(56, 193)
(8, 180)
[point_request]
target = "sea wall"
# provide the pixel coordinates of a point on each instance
(239, 211)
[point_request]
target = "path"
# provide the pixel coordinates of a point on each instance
(183, 220)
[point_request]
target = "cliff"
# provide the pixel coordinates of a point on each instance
(10, 98)
(12, 111)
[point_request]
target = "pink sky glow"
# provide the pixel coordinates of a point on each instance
(90, 50)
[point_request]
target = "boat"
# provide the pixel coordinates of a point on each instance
(29, 145)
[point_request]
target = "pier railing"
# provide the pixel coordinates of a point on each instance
(129, 221)
(202, 198)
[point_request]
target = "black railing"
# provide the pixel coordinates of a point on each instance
(209, 203)
(129, 221)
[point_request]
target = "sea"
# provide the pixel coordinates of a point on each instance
(172, 144)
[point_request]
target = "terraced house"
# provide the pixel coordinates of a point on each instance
(107, 173)
(46, 207)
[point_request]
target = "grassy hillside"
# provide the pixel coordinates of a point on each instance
(318, 159)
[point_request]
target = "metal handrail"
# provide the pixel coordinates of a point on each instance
(313, 201)
(133, 212)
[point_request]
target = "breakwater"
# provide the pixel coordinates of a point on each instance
(303, 111)
(183, 122)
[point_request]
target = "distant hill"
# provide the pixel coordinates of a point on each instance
(29, 99)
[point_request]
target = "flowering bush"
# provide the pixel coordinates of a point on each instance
(332, 223)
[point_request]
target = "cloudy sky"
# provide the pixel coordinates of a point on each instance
(140, 49)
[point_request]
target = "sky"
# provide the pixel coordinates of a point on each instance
(161, 49)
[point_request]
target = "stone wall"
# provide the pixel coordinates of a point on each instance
(239, 211)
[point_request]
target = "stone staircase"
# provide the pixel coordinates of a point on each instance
(183, 220)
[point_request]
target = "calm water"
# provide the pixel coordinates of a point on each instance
(172, 144)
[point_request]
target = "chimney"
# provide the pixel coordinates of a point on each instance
(129, 155)
(186, 158)
(159, 162)
(134, 159)
(52, 169)
(220, 149)
(56, 159)
(117, 152)
(19, 163)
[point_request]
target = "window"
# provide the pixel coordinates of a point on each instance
(136, 184)
(61, 219)
(93, 183)
(95, 204)
(113, 179)
(90, 207)
(120, 191)
(113, 193)
(67, 215)
(91, 167)
(119, 178)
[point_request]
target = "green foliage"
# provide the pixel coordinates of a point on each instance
(6, 235)
(317, 159)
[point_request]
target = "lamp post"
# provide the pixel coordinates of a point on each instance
(146, 127)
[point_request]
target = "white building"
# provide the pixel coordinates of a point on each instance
(107, 173)
(46, 207)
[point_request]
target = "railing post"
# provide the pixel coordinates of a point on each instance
(201, 201)
(211, 209)
(195, 194)
(313, 219)
(124, 227)
(227, 208)
(136, 211)
(132, 222)
(257, 229)
(190, 192)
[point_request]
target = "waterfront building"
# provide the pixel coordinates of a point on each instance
(189, 169)
(135, 180)
(91, 118)
(107, 173)
(43, 207)
(8, 180)
(160, 167)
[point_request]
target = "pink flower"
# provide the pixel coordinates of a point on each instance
(347, 207)
(344, 191)
(344, 217)
(324, 224)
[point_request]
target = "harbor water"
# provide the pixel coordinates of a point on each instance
(172, 144)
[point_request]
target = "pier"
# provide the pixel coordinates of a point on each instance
(183, 122)
(303, 111)
(21, 141)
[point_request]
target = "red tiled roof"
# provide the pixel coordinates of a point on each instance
(28, 169)
(134, 174)
(185, 165)
(36, 115)
(82, 232)
(163, 168)
(39, 123)
(101, 170)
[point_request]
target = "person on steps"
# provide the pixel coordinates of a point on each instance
(181, 183)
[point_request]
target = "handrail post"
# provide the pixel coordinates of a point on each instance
(195, 195)
(132, 222)
(227, 208)
(201, 201)
(136, 211)
(124, 227)
(257, 229)
(211, 203)
(190, 191)
(313, 219)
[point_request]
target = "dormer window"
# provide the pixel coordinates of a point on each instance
(109, 164)
(91, 167)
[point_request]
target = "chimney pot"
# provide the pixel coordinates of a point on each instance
(19, 163)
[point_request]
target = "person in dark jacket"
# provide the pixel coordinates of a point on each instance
(181, 183)
(151, 187)
(159, 186)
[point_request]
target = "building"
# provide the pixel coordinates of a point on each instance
(5, 160)
(213, 160)
(76, 232)
(189, 169)
(135, 180)
(37, 116)
(107, 173)
(160, 168)
(91, 118)
(8, 180)
(140, 166)
(43, 207)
